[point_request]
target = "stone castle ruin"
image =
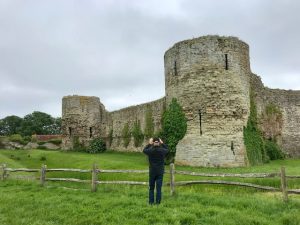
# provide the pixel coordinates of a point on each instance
(211, 78)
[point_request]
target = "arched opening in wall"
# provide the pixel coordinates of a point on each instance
(70, 131)
(91, 132)
(226, 61)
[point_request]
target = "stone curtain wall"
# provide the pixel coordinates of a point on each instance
(289, 103)
(118, 119)
(210, 78)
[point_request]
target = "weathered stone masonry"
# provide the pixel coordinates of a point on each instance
(211, 78)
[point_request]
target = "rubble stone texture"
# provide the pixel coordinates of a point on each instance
(211, 78)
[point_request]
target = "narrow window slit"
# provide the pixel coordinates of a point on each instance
(70, 131)
(232, 148)
(91, 132)
(175, 68)
(200, 121)
(226, 61)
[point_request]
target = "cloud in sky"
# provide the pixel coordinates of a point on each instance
(114, 49)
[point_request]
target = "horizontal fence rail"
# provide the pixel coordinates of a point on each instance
(68, 170)
(123, 171)
(246, 175)
(95, 171)
(182, 183)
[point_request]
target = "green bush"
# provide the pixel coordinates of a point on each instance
(96, 146)
(41, 142)
(43, 158)
(27, 139)
(16, 138)
(55, 141)
(273, 150)
(174, 126)
(126, 135)
(2, 140)
(42, 147)
(137, 134)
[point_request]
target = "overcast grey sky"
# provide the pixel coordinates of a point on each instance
(114, 49)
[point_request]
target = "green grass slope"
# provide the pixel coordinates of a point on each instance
(25, 202)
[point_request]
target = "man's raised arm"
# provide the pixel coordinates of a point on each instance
(148, 147)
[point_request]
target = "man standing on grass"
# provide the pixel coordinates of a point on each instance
(156, 151)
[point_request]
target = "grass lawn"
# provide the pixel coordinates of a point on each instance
(25, 202)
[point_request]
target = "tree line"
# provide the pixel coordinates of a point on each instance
(34, 123)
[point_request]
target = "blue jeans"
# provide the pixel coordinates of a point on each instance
(155, 180)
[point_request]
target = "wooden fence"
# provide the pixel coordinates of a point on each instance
(95, 172)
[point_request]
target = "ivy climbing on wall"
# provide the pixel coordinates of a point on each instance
(137, 134)
(126, 135)
(260, 141)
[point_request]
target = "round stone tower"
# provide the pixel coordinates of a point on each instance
(82, 117)
(209, 76)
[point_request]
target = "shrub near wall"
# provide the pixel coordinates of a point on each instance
(96, 146)
(174, 126)
(261, 145)
(149, 124)
(126, 135)
(16, 138)
(137, 134)
(253, 138)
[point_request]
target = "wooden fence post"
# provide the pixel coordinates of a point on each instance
(172, 178)
(43, 175)
(284, 184)
(94, 178)
(4, 172)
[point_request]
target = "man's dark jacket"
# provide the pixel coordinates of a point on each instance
(156, 155)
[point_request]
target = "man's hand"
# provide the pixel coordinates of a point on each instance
(151, 141)
(161, 141)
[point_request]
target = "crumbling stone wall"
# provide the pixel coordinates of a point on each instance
(289, 103)
(211, 78)
(83, 118)
(118, 119)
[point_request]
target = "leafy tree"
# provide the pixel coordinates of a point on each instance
(126, 135)
(10, 125)
(137, 134)
(174, 126)
(149, 124)
(55, 127)
(37, 123)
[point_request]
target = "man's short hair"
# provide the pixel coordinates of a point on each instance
(155, 139)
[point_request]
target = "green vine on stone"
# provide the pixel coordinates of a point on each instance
(126, 135)
(149, 124)
(137, 134)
